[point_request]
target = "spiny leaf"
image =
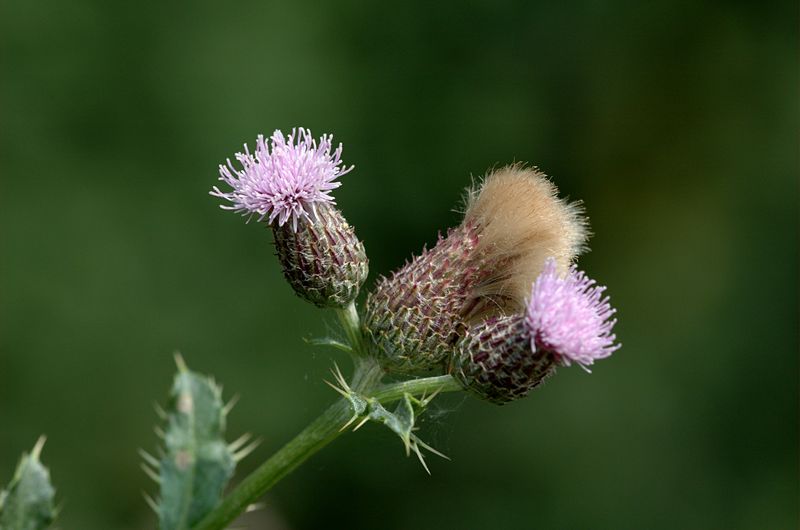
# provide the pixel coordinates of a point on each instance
(197, 461)
(27, 503)
(402, 422)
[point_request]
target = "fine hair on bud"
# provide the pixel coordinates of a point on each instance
(521, 222)
(513, 221)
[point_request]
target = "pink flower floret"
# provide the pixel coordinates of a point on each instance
(285, 178)
(570, 317)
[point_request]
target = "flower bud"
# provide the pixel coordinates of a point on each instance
(567, 320)
(413, 318)
(494, 360)
(482, 268)
(322, 260)
(289, 181)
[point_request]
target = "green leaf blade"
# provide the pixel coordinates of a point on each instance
(197, 463)
(27, 503)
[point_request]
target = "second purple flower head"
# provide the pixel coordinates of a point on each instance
(567, 320)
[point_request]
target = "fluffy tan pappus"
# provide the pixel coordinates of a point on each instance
(521, 222)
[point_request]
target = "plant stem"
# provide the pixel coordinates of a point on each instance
(325, 428)
(317, 435)
(367, 375)
(415, 387)
(310, 440)
(351, 323)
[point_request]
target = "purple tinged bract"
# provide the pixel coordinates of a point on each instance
(570, 317)
(285, 178)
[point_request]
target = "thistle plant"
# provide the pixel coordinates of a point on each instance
(492, 309)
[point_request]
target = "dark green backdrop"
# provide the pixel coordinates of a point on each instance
(675, 121)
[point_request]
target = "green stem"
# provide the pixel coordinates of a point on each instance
(325, 428)
(415, 387)
(348, 317)
(317, 435)
(367, 375)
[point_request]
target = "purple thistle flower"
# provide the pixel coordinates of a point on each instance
(570, 317)
(285, 178)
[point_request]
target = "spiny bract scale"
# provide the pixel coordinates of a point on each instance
(495, 360)
(323, 260)
(414, 317)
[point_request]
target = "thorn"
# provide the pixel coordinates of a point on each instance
(58, 509)
(37, 447)
(159, 432)
(339, 390)
(431, 449)
(357, 427)
(421, 458)
(179, 362)
(349, 422)
(150, 502)
(239, 442)
(242, 453)
(340, 378)
(255, 506)
(337, 376)
(160, 412)
(150, 473)
(150, 459)
(230, 404)
(425, 400)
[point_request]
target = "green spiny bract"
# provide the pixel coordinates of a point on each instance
(323, 260)
(495, 360)
(27, 503)
(402, 421)
(197, 463)
(415, 317)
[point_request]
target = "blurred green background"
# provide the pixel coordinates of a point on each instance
(676, 122)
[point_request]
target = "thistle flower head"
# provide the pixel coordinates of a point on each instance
(484, 268)
(285, 178)
(567, 320)
(569, 316)
(289, 181)
(522, 222)
(494, 360)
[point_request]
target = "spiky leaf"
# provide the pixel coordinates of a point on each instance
(27, 503)
(197, 463)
